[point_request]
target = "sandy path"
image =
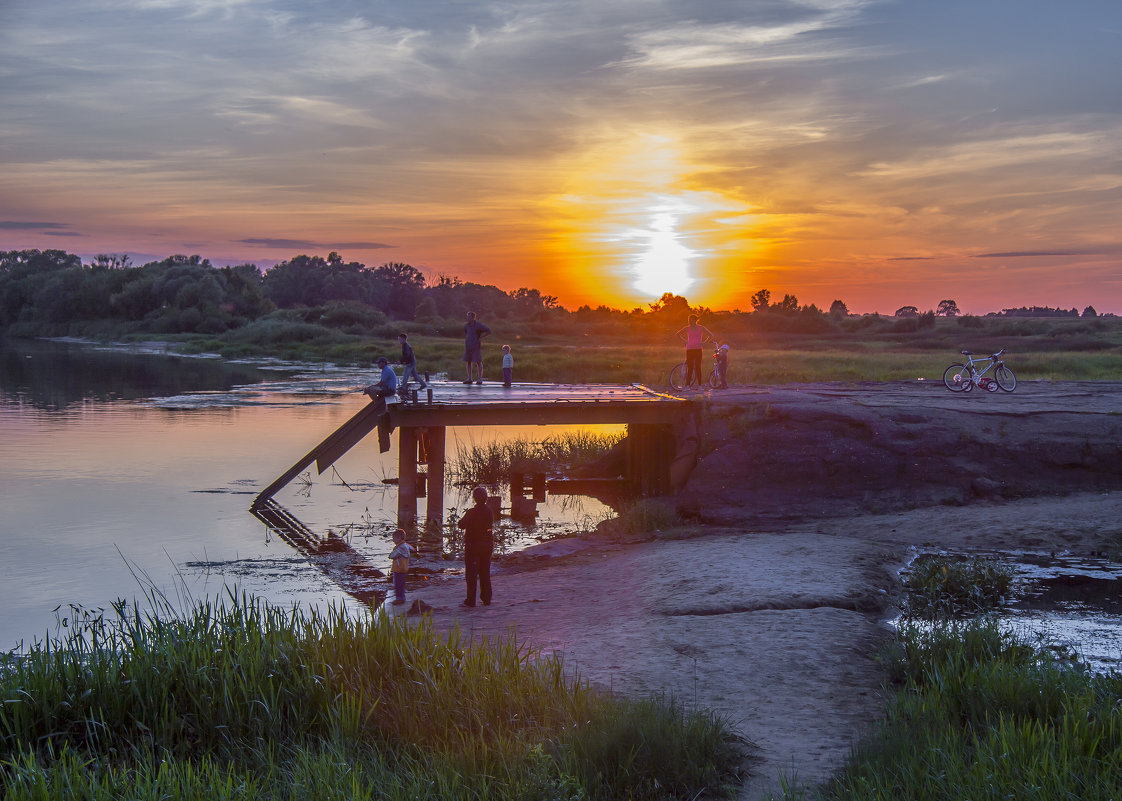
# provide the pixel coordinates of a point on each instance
(765, 629)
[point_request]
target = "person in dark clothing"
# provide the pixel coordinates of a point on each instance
(478, 545)
(409, 359)
(474, 331)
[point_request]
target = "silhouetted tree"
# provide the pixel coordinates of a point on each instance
(1090, 312)
(839, 310)
(947, 308)
(907, 311)
(789, 305)
(110, 261)
(405, 287)
(761, 300)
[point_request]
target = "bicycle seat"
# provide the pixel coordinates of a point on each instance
(967, 352)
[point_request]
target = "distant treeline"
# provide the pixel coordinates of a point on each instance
(52, 293)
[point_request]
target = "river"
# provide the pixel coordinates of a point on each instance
(130, 473)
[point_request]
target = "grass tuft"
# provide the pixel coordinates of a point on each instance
(239, 699)
(954, 586)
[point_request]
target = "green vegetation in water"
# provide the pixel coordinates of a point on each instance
(982, 714)
(494, 462)
(241, 700)
(954, 586)
(646, 515)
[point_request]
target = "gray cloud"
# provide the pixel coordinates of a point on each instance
(18, 225)
(305, 243)
(1018, 254)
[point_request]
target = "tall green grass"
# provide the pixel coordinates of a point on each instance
(982, 714)
(239, 699)
(494, 462)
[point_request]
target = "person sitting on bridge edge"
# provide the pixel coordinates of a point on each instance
(387, 381)
(409, 359)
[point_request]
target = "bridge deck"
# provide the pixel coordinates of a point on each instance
(493, 404)
(458, 404)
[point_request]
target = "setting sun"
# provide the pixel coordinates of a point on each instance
(638, 227)
(664, 266)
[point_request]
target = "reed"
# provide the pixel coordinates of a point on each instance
(494, 462)
(954, 586)
(239, 699)
(981, 713)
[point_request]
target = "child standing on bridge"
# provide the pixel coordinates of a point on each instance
(508, 365)
(400, 554)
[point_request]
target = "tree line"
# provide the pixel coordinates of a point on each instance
(53, 293)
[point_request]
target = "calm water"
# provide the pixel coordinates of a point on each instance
(125, 471)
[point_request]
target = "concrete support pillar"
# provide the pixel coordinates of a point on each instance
(434, 516)
(407, 477)
(650, 449)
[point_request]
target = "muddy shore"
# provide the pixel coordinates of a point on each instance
(770, 604)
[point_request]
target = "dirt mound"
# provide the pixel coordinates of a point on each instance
(808, 451)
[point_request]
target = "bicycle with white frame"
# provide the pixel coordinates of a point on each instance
(964, 377)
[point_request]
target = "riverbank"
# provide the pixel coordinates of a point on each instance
(804, 507)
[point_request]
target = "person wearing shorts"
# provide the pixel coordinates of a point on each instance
(474, 331)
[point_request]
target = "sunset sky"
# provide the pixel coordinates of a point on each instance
(603, 151)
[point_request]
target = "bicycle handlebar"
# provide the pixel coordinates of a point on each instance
(997, 355)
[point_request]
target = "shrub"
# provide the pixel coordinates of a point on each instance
(951, 586)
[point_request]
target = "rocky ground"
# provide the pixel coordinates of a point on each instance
(770, 605)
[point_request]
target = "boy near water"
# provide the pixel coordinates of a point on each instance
(399, 556)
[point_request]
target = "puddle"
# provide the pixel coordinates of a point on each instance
(1073, 604)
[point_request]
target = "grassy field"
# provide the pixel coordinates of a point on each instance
(1070, 349)
(239, 700)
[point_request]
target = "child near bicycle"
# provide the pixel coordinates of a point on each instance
(722, 360)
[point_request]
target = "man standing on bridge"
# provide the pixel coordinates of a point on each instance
(474, 331)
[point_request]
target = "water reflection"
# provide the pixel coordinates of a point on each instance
(54, 375)
(331, 553)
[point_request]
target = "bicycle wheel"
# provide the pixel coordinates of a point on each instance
(956, 378)
(714, 380)
(678, 376)
(1005, 378)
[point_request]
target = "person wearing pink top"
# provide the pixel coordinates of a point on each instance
(694, 335)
